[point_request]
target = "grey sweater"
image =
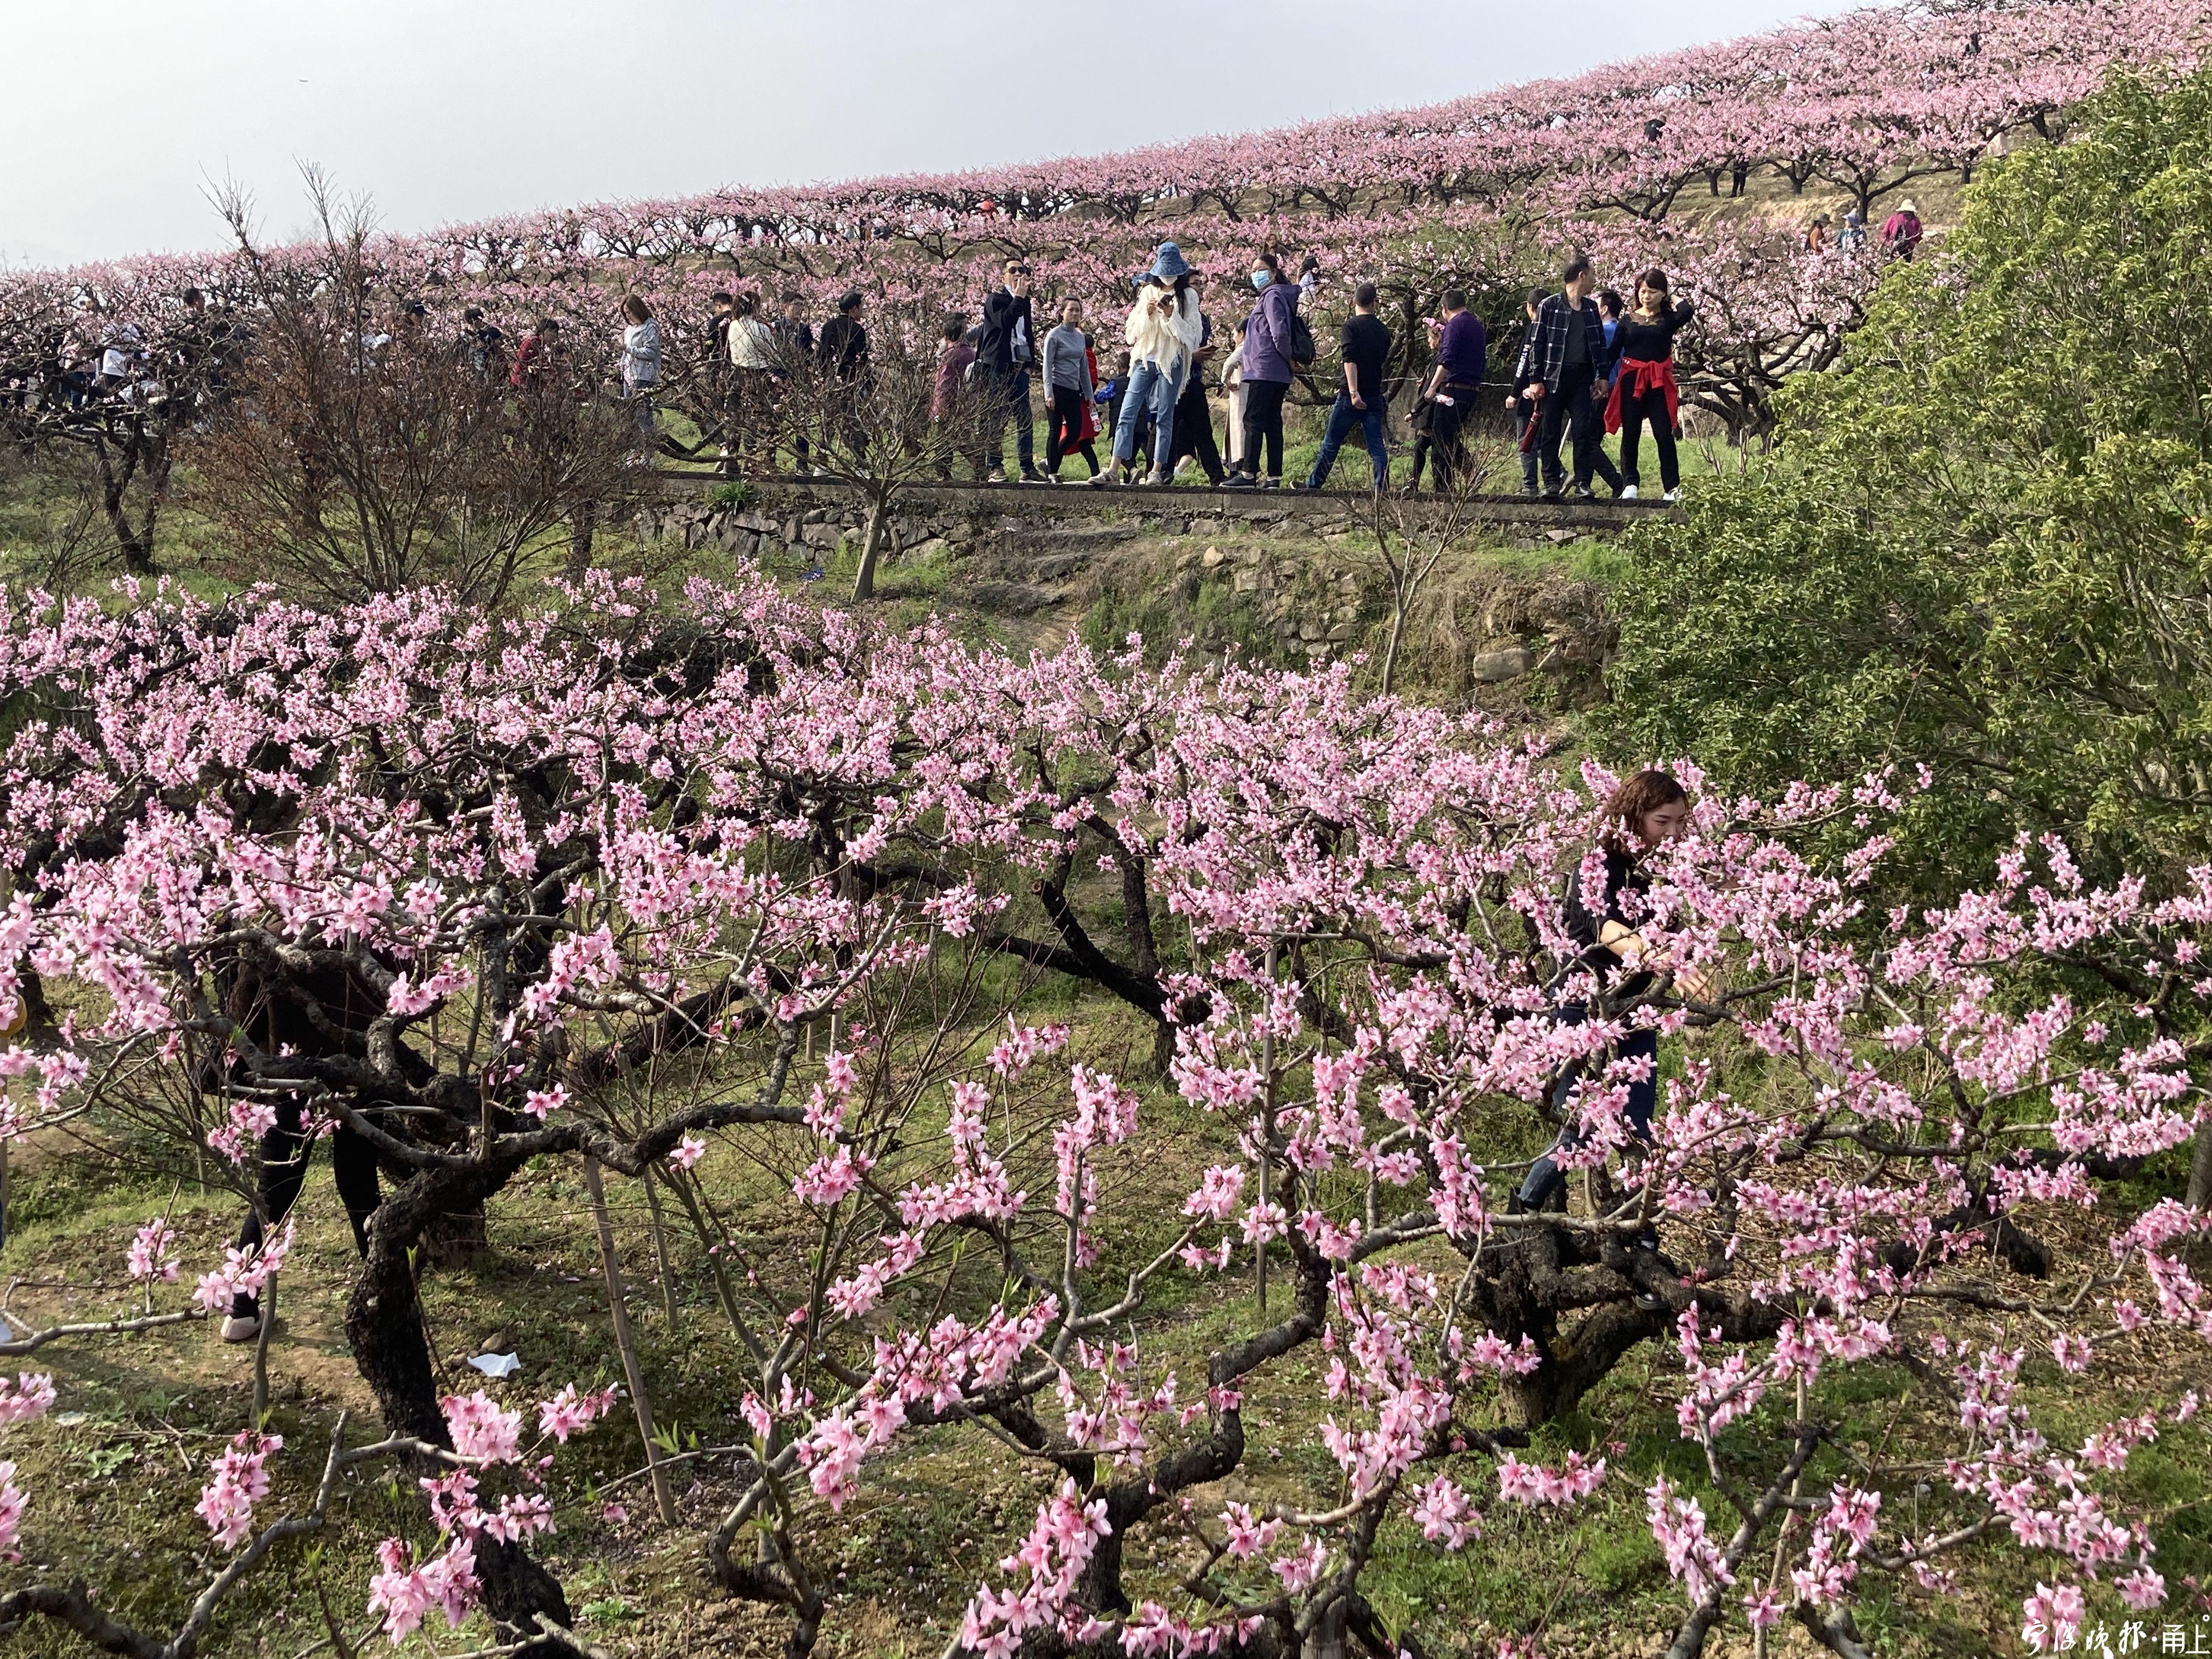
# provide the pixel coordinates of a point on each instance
(1064, 363)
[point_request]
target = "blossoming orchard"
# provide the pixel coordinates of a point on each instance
(849, 1135)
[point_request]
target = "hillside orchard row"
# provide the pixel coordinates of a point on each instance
(1484, 193)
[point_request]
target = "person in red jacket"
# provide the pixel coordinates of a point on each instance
(1901, 231)
(533, 358)
(1644, 388)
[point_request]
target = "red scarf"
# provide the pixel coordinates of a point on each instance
(1638, 377)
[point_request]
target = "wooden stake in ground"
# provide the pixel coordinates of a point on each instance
(664, 1495)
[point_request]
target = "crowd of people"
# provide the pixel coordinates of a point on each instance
(1583, 368)
(1589, 364)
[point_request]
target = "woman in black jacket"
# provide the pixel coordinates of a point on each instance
(1644, 386)
(1613, 925)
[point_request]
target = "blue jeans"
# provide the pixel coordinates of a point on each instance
(1544, 1177)
(1150, 388)
(1341, 416)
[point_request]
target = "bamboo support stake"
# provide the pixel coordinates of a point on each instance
(660, 1250)
(663, 1494)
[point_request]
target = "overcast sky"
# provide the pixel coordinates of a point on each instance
(121, 110)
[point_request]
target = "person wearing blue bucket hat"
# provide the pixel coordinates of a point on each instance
(1163, 329)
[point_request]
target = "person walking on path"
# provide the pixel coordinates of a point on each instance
(1005, 346)
(1901, 231)
(752, 347)
(794, 338)
(1525, 411)
(1068, 385)
(1162, 331)
(1420, 419)
(1270, 365)
(1643, 387)
(955, 358)
(1232, 390)
(1852, 237)
(1564, 361)
(1193, 419)
(1366, 348)
(1462, 359)
(842, 354)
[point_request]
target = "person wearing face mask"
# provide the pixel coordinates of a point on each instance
(1270, 364)
(1163, 329)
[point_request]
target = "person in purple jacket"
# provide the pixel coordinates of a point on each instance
(1462, 359)
(1268, 369)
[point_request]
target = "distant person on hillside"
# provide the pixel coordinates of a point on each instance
(722, 306)
(1644, 389)
(795, 344)
(1564, 359)
(843, 357)
(1068, 385)
(1270, 336)
(1193, 428)
(1463, 360)
(752, 342)
(484, 347)
(1366, 348)
(1816, 236)
(1162, 331)
(1901, 231)
(1091, 404)
(1308, 276)
(1232, 391)
(1527, 412)
(1852, 237)
(640, 361)
(535, 359)
(1006, 346)
(955, 358)
(1420, 419)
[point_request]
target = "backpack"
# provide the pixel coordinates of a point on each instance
(1303, 352)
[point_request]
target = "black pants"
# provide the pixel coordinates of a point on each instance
(1263, 420)
(1544, 1180)
(1010, 401)
(1063, 431)
(1447, 429)
(1194, 429)
(1573, 410)
(978, 462)
(285, 1152)
(1652, 407)
(751, 410)
(1527, 418)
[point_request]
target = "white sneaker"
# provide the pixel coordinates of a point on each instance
(240, 1328)
(1675, 494)
(1627, 493)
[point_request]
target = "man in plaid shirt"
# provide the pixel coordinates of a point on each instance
(1560, 371)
